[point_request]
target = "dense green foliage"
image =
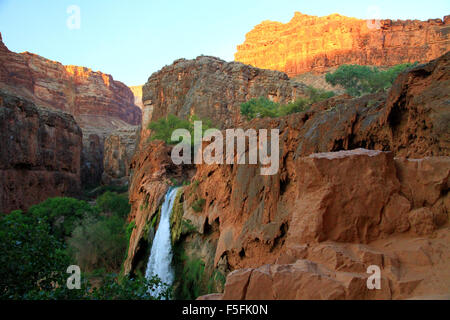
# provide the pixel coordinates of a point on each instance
(359, 80)
(262, 107)
(163, 128)
(62, 214)
(259, 108)
(36, 248)
(31, 257)
(110, 288)
(189, 271)
(99, 242)
(113, 203)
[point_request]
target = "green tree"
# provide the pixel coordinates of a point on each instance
(259, 108)
(163, 128)
(31, 258)
(262, 107)
(62, 213)
(111, 202)
(359, 80)
(99, 243)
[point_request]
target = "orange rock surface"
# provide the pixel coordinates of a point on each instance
(310, 43)
(333, 208)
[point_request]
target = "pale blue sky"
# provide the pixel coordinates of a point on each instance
(132, 39)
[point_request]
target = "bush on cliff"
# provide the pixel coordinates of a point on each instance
(263, 107)
(163, 128)
(259, 108)
(359, 80)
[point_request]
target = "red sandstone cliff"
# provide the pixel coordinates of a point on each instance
(212, 88)
(310, 43)
(311, 230)
(40, 153)
(98, 103)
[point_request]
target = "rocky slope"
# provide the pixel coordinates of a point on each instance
(312, 229)
(40, 153)
(98, 103)
(212, 88)
(310, 43)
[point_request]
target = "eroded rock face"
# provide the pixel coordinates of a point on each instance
(153, 173)
(118, 152)
(40, 153)
(310, 43)
(311, 231)
(334, 207)
(213, 89)
(98, 103)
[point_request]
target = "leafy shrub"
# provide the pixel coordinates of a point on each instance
(31, 258)
(162, 129)
(34, 254)
(126, 288)
(317, 94)
(113, 203)
(262, 107)
(99, 243)
(110, 288)
(359, 80)
(198, 204)
(62, 213)
(259, 108)
(298, 105)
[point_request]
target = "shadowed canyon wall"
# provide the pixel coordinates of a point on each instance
(40, 153)
(98, 103)
(309, 43)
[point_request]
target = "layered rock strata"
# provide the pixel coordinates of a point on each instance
(316, 44)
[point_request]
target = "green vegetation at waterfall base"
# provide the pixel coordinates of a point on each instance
(37, 246)
(360, 80)
(262, 107)
(193, 279)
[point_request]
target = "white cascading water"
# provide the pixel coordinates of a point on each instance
(160, 260)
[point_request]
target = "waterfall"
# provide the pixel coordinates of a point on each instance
(160, 260)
